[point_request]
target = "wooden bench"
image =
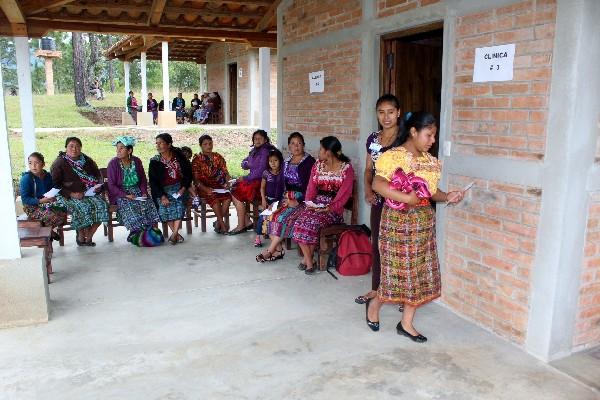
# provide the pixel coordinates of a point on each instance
(33, 234)
(205, 213)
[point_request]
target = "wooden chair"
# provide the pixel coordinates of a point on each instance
(113, 222)
(187, 218)
(33, 234)
(205, 213)
(252, 209)
(329, 236)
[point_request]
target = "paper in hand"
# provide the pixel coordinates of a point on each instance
(176, 195)
(51, 193)
(141, 198)
(222, 191)
(314, 205)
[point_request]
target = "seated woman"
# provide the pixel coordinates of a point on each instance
(247, 189)
(210, 173)
(132, 106)
(170, 177)
(329, 188)
(179, 107)
(128, 189)
(152, 106)
(296, 173)
(34, 184)
(80, 183)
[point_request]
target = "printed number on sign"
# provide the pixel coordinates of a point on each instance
(495, 67)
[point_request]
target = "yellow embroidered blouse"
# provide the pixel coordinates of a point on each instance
(426, 166)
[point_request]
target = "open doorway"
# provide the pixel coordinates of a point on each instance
(232, 77)
(411, 69)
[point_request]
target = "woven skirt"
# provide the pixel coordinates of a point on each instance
(246, 191)
(50, 214)
(88, 211)
(309, 224)
(410, 271)
(176, 208)
(281, 222)
(136, 215)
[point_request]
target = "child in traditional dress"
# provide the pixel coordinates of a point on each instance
(271, 190)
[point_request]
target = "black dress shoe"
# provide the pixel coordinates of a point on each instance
(374, 326)
(415, 338)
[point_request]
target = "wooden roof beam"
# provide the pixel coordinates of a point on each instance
(37, 6)
(212, 13)
(247, 2)
(16, 19)
(269, 18)
(156, 12)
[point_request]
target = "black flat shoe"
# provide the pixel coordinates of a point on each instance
(302, 267)
(310, 271)
(361, 300)
(415, 338)
(374, 326)
(80, 243)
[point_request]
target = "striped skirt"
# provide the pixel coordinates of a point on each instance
(281, 222)
(309, 224)
(176, 208)
(88, 211)
(136, 215)
(50, 214)
(410, 271)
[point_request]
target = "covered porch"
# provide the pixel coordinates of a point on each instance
(204, 320)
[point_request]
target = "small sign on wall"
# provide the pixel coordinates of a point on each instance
(241, 73)
(494, 64)
(316, 81)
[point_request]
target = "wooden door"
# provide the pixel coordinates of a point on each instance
(233, 93)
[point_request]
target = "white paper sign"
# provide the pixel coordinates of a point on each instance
(316, 81)
(52, 192)
(494, 64)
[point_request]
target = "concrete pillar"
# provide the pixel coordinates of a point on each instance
(144, 94)
(264, 97)
(202, 78)
(9, 245)
(126, 67)
(165, 75)
(572, 133)
(25, 94)
(254, 111)
(49, 76)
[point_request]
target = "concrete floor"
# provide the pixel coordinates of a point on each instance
(203, 320)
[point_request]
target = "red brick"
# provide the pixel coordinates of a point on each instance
(492, 102)
(508, 141)
(514, 36)
(510, 88)
(510, 115)
(528, 102)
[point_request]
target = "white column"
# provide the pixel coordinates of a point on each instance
(264, 91)
(253, 78)
(202, 78)
(9, 245)
(143, 75)
(126, 66)
(25, 94)
(165, 75)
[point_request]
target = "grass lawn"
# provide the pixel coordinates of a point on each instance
(232, 143)
(59, 111)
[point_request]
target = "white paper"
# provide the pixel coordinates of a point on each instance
(269, 210)
(494, 64)
(141, 198)
(220, 191)
(314, 205)
(92, 191)
(266, 212)
(176, 195)
(469, 186)
(51, 193)
(316, 81)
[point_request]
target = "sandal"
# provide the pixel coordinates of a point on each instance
(302, 267)
(172, 241)
(278, 256)
(180, 238)
(261, 258)
(236, 232)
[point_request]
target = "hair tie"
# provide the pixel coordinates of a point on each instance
(339, 153)
(407, 116)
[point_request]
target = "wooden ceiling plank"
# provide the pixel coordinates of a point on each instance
(211, 13)
(269, 17)
(35, 7)
(156, 12)
(244, 2)
(12, 11)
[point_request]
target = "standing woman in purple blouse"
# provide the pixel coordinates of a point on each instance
(247, 188)
(296, 174)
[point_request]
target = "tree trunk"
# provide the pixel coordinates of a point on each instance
(79, 70)
(111, 68)
(94, 57)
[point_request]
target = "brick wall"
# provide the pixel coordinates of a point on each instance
(334, 112)
(490, 250)
(386, 8)
(305, 19)
(587, 327)
(505, 119)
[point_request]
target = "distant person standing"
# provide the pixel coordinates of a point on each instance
(179, 107)
(152, 107)
(132, 106)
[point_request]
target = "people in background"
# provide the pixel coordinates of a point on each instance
(128, 189)
(179, 107)
(247, 189)
(389, 116)
(132, 106)
(271, 191)
(80, 183)
(152, 106)
(410, 273)
(211, 179)
(329, 188)
(170, 174)
(34, 184)
(187, 152)
(296, 173)
(194, 106)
